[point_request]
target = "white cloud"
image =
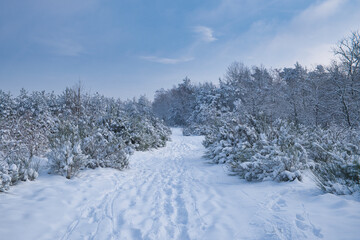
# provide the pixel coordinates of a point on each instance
(308, 37)
(205, 33)
(320, 11)
(165, 60)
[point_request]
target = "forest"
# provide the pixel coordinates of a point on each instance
(274, 123)
(263, 124)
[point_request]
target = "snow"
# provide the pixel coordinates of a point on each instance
(173, 193)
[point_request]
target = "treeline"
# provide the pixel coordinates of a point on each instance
(273, 123)
(73, 130)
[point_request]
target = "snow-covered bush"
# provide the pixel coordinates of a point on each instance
(5, 179)
(19, 146)
(144, 130)
(224, 142)
(21, 165)
(14, 169)
(277, 154)
(105, 149)
(339, 176)
(66, 157)
(336, 156)
(194, 130)
(256, 150)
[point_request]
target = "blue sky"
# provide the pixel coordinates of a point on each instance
(126, 48)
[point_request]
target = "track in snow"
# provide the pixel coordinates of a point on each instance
(153, 200)
(172, 193)
(159, 200)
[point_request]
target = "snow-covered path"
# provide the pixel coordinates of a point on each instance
(172, 193)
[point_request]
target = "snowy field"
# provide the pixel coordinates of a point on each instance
(172, 193)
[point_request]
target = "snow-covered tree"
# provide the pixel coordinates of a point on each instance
(66, 157)
(175, 106)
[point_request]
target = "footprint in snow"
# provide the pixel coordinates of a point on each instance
(304, 225)
(278, 205)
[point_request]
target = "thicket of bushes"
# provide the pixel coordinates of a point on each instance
(74, 131)
(257, 150)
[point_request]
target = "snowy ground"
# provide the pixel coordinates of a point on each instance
(172, 193)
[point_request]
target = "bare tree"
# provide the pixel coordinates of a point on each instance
(348, 51)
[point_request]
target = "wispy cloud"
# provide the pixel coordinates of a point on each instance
(166, 60)
(320, 11)
(205, 33)
(307, 37)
